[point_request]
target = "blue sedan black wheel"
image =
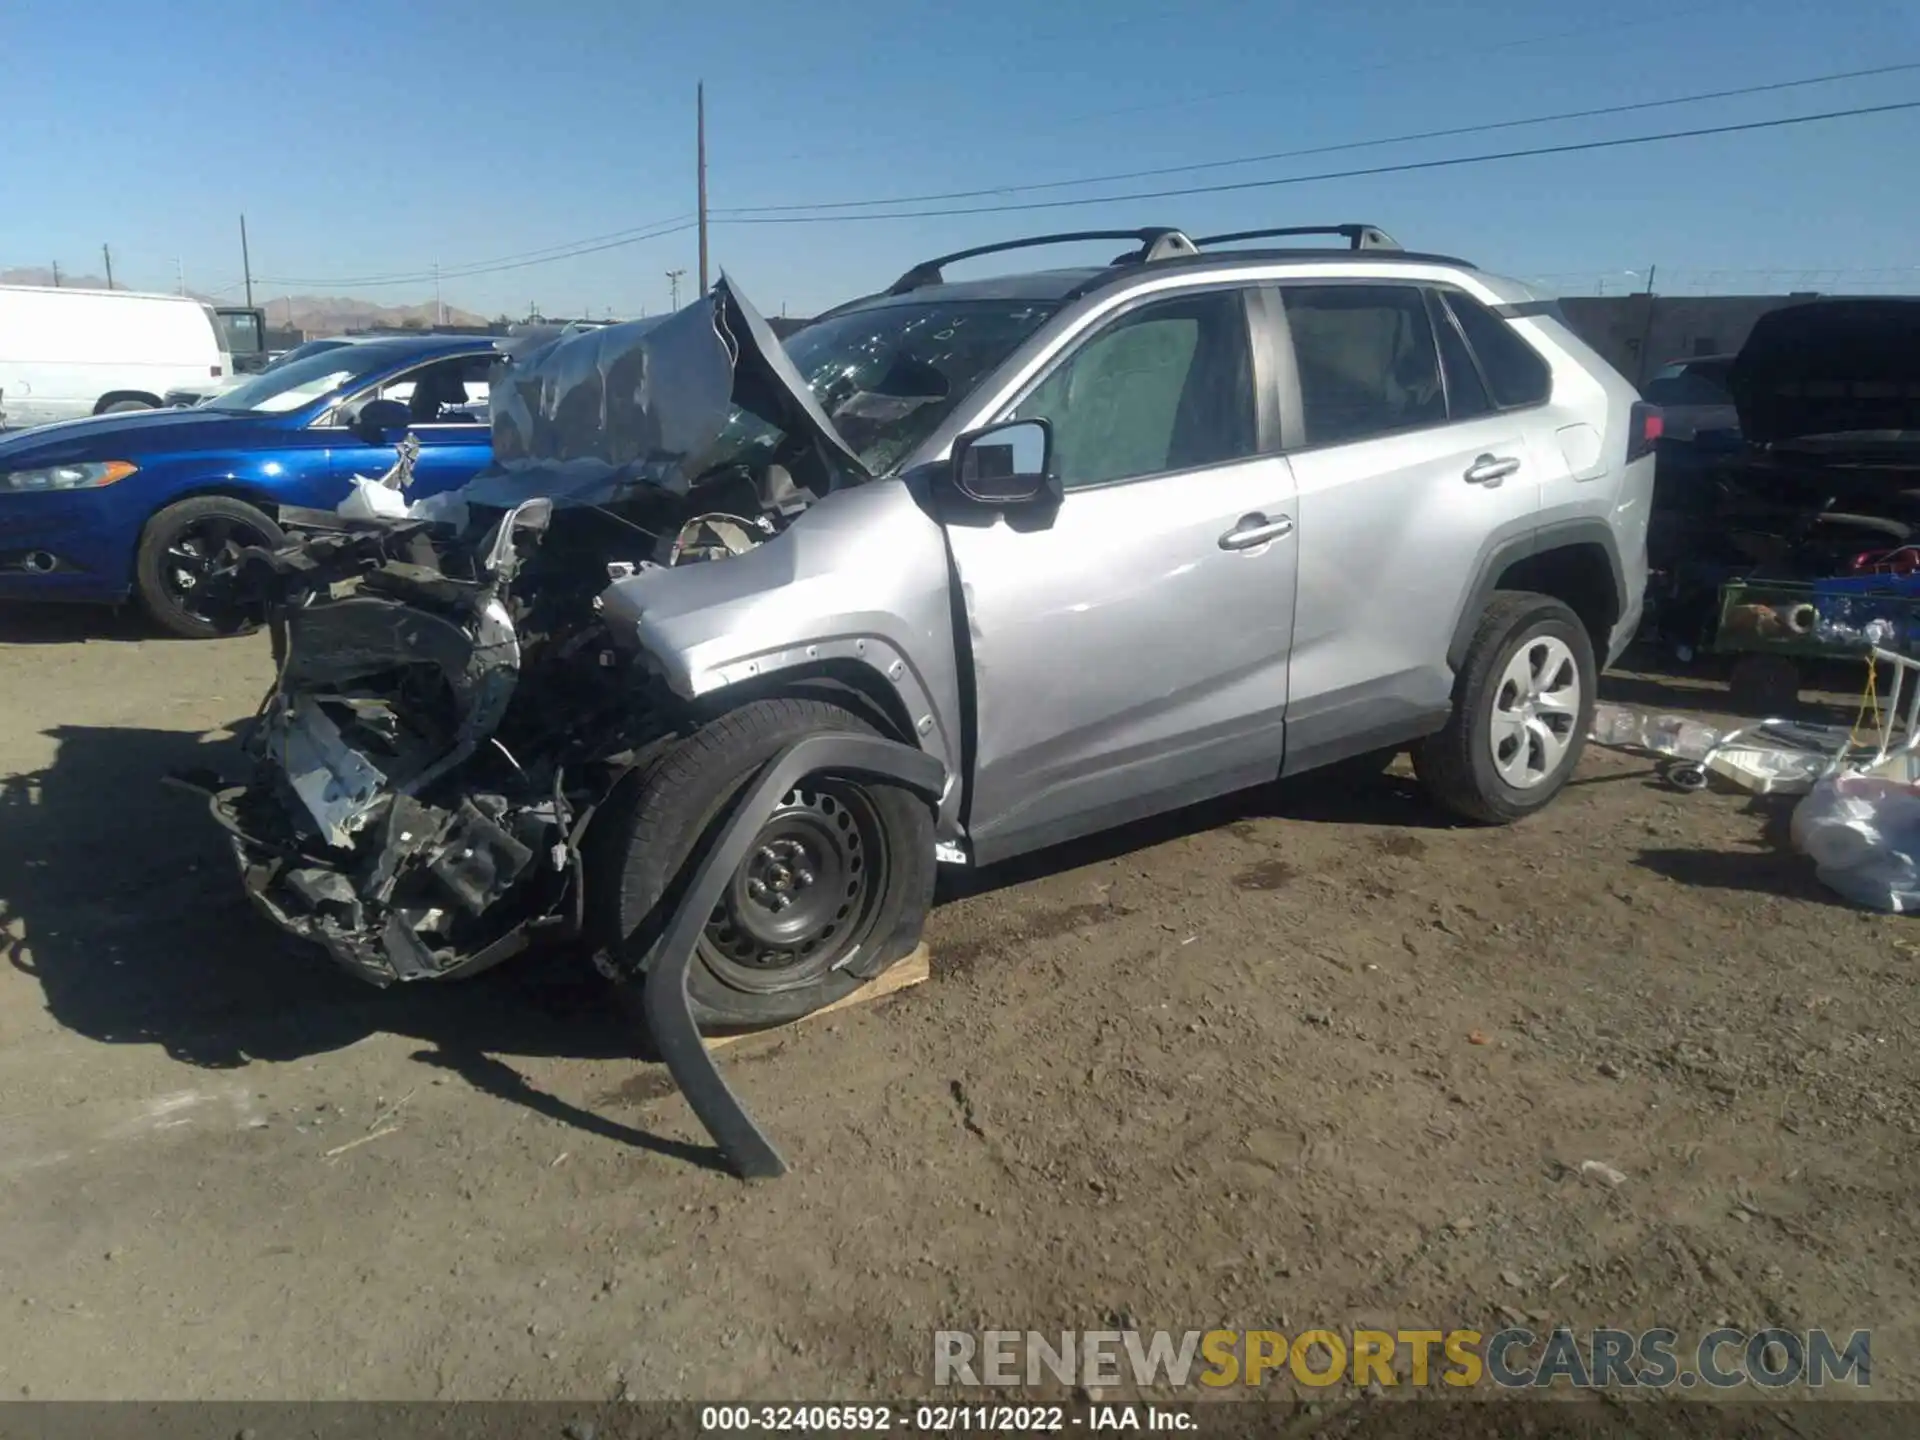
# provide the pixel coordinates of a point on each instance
(182, 571)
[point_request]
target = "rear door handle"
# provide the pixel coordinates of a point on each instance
(1256, 529)
(1490, 470)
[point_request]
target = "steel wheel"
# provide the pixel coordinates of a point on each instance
(1536, 709)
(803, 902)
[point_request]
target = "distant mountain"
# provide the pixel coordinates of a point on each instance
(315, 314)
(333, 314)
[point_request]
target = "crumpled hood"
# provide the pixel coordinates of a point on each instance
(649, 402)
(1831, 367)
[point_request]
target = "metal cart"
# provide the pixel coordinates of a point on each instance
(1774, 625)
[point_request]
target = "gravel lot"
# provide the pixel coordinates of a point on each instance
(1311, 1057)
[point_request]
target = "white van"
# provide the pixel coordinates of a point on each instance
(66, 353)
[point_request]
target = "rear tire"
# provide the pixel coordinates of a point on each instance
(1522, 706)
(180, 549)
(851, 864)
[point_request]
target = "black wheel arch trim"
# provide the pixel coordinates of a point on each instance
(1498, 557)
(669, 1007)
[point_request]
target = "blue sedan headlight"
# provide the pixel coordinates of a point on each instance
(87, 475)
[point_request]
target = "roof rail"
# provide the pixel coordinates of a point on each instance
(1156, 242)
(1358, 237)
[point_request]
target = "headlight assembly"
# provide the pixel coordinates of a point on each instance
(85, 475)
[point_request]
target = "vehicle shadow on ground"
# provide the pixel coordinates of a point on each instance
(1649, 678)
(1339, 796)
(119, 896)
(27, 623)
(1771, 867)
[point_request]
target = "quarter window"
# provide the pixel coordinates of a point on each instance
(1365, 354)
(1466, 393)
(1166, 387)
(1515, 372)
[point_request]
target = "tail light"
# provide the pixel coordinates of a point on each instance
(1644, 429)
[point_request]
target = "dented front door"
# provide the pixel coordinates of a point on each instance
(1129, 649)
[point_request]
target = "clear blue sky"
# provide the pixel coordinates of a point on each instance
(374, 139)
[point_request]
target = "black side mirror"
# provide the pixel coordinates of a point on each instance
(382, 422)
(1007, 464)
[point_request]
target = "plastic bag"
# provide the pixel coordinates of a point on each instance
(1862, 833)
(372, 500)
(1624, 727)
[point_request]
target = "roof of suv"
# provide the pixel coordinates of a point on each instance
(1158, 250)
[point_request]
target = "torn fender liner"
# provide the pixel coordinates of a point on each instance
(670, 1011)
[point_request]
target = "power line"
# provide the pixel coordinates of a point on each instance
(1325, 149)
(517, 261)
(1477, 48)
(1666, 17)
(1403, 168)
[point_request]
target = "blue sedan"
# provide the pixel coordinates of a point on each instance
(148, 504)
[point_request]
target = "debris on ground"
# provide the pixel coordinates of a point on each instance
(1602, 1173)
(1862, 833)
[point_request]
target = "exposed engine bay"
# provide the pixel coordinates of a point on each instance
(450, 707)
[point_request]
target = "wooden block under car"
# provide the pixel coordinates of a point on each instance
(916, 969)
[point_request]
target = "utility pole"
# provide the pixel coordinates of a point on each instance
(106, 253)
(700, 130)
(439, 310)
(246, 261)
(673, 288)
(1646, 329)
(180, 273)
(56, 274)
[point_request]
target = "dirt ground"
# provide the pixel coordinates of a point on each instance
(1310, 1057)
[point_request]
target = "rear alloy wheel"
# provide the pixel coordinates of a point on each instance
(1522, 705)
(179, 572)
(1535, 710)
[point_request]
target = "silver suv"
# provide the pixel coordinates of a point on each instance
(1090, 543)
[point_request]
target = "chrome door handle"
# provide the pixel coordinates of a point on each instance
(1252, 530)
(1490, 471)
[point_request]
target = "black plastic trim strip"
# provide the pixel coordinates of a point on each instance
(669, 1008)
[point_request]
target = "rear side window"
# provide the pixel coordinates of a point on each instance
(1466, 393)
(1515, 372)
(1365, 354)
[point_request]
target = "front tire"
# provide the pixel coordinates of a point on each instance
(180, 552)
(836, 888)
(1522, 706)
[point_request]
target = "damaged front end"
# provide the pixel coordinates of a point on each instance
(354, 832)
(449, 709)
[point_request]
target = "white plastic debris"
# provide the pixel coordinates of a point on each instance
(1862, 833)
(1601, 1173)
(1624, 727)
(1766, 770)
(372, 500)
